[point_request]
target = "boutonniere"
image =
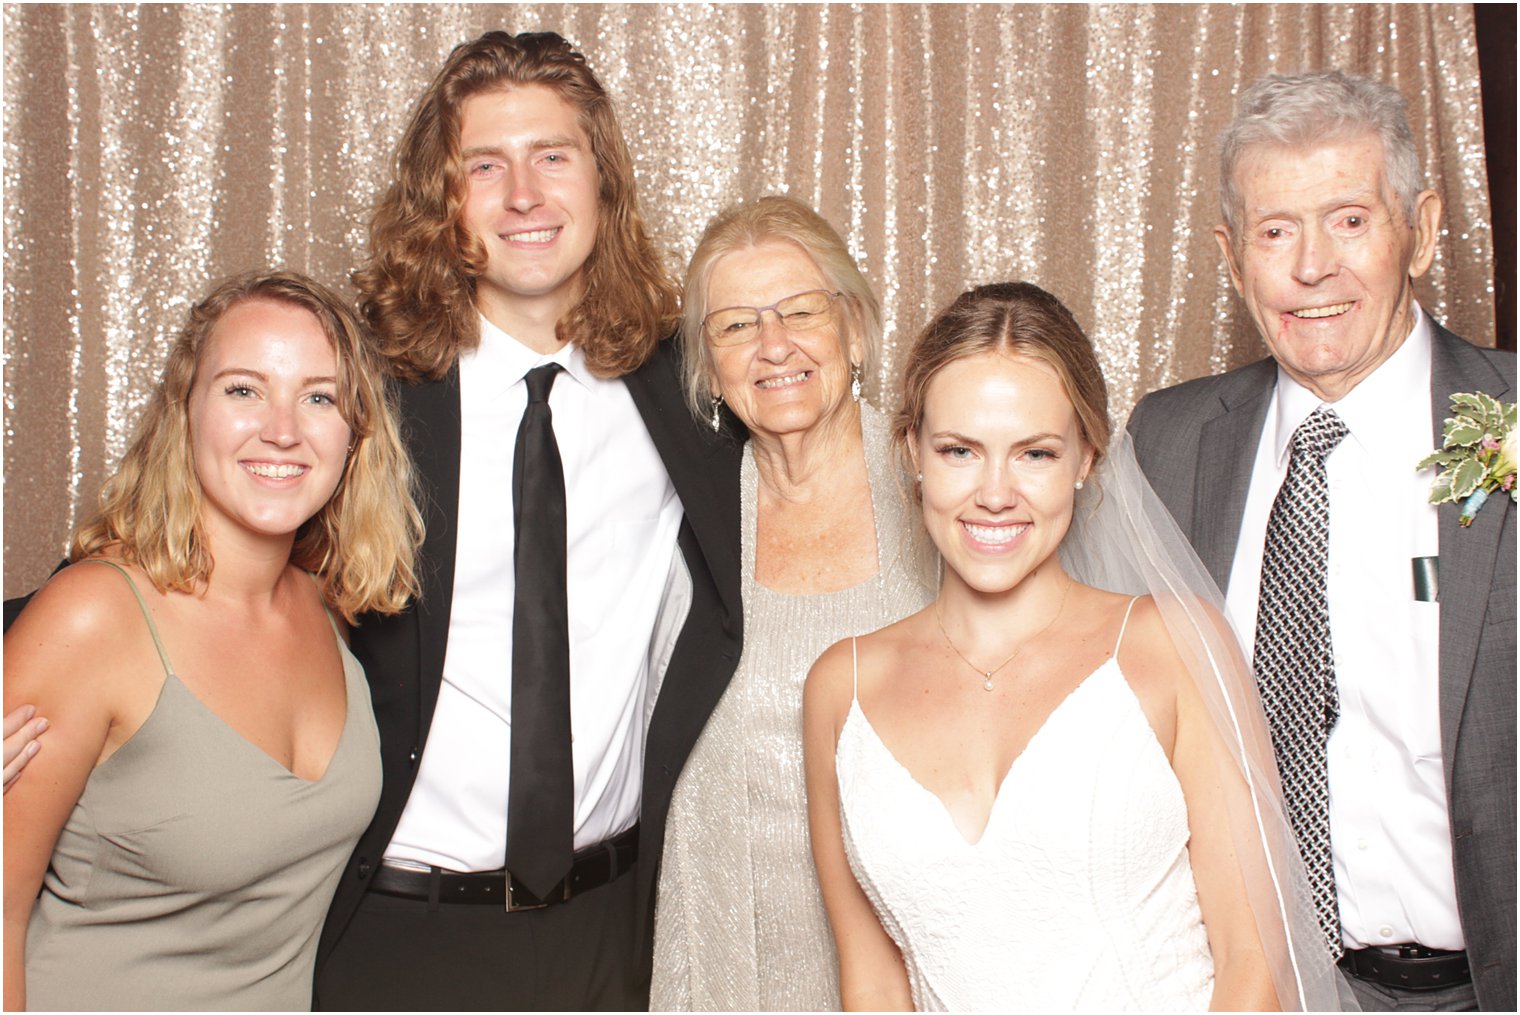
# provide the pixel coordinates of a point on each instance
(1477, 453)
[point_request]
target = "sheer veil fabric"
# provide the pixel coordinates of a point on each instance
(1123, 539)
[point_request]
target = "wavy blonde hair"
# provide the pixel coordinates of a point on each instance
(417, 289)
(361, 546)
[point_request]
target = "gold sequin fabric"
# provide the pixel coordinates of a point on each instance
(150, 149)
(739, 922)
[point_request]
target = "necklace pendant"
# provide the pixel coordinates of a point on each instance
(987, 684)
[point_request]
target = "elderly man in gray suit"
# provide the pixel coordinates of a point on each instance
(1383, 633)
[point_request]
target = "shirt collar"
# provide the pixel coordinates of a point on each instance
(511, 360)
(1376, 410)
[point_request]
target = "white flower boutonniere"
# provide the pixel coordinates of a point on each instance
(1477, 454)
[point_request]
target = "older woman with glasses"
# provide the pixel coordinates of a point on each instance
(779, 328)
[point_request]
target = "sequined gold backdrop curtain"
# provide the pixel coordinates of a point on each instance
(150, 149)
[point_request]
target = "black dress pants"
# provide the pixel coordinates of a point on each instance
(410, 955)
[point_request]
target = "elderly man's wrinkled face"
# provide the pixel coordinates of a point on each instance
(1325, 257)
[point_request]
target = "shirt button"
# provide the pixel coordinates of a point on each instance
(1385, 931)
(1361, 844)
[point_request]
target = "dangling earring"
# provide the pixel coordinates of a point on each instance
(716, 421)
(855, 380)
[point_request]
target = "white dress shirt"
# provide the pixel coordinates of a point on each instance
(622, 517)
(1390, 833)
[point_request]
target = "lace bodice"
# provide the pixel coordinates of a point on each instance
(1079, 893)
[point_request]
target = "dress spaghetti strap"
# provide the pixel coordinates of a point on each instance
(1127, 611)
(152, 629)
(332, 618)
(854, 671)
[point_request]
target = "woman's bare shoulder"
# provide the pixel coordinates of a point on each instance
(873, 645)
(832, 675)
(85, 613)
(1151, 663)
(1147, 641)
(1091, 619)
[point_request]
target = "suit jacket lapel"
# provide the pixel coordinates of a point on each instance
(431, 413)
(1467, 556)
(1226, 455)
(703, 466)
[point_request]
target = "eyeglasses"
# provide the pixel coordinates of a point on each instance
(799, 312)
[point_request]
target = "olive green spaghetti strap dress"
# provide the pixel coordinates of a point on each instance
(195, 871)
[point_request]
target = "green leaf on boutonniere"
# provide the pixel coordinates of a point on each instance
(1477, 455)
(1442, 458)
(1485, 406)
(1466, 477)
(1461, 431)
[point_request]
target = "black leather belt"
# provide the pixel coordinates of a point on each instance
(591, 868)
(1408, 967)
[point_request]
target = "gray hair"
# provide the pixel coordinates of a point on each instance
(1313, 108)
(741, 226)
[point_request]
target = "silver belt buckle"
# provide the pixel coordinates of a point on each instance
(513, 906)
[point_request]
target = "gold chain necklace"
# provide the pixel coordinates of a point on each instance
(987, 683)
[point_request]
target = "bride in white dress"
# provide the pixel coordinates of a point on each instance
(1037, 793)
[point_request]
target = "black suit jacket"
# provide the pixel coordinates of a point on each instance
(1196, 443)
(403, 655)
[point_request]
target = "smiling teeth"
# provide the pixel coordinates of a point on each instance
(275, 471)
(536, 236)
(996, 534)
(1314, 312)
(782, 382)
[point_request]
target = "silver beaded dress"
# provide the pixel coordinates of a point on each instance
(739, 922)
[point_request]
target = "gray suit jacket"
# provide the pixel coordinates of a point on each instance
(1196, 443)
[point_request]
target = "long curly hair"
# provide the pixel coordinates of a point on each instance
(361, 546)
(417, 288)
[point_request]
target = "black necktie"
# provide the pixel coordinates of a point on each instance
(541, 800)
(1295, 667)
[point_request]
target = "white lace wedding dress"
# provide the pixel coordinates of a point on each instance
(1079, 894)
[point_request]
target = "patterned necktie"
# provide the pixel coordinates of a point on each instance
(1295, 667)
(541, 798)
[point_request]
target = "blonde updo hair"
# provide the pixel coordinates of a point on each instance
(1014, 318)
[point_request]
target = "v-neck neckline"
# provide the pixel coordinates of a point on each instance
(1034, 740)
